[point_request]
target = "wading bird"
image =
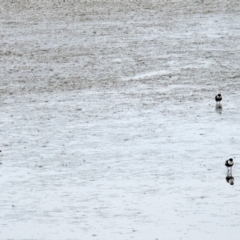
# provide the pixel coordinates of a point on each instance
(229, 163)
(218, 98)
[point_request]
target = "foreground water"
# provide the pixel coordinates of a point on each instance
(109, 125)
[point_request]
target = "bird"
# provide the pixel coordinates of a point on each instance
(229, 163)
(218, 98)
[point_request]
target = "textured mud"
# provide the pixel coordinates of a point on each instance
(108, 122)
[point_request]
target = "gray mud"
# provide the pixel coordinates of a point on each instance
(109, 128)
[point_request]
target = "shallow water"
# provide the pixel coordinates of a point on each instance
(109, 125)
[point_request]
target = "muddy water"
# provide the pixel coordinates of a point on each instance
(108, 123)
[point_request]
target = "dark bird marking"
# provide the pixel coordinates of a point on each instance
(218, 98)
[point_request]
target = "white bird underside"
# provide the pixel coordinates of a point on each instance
(230, 163)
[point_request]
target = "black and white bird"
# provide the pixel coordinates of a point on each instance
(218, 98)
(229, 163)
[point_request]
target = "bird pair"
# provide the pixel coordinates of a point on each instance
(229, 163)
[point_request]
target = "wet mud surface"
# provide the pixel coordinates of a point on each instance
(109, 127)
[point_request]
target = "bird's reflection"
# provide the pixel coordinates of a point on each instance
(218, 109)
(230, 179)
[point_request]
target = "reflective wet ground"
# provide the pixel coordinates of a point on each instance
(109, 125)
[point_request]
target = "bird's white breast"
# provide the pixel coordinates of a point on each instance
(230, 163)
